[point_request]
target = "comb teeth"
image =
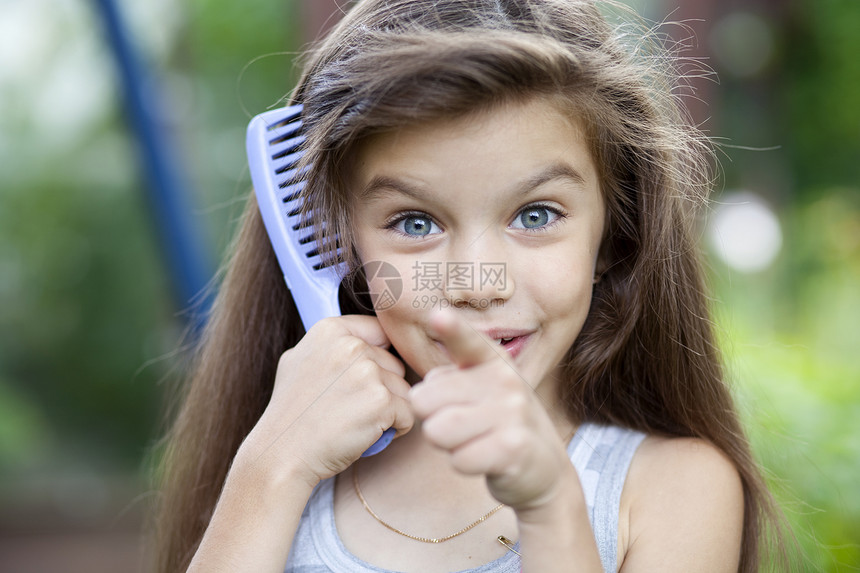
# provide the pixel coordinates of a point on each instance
(288, 150)
(284, 150)
(293, 194)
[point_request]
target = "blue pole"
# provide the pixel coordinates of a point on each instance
(188, 262)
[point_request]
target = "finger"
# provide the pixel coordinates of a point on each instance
(492, 453)
(377, 405)
(465, 345)
(367, 328)
(454, 426)
(387, 360)
(396, 384)
(444, 386)
(404, 419)
(399, 414)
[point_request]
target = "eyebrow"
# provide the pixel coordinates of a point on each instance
(381, 183)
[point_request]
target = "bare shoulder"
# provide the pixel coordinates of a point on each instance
(690, 464)
(682, 508)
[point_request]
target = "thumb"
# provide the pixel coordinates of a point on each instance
(466, 346)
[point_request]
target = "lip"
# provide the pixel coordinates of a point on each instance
(496, 333)
(515, 346)
(520, 338)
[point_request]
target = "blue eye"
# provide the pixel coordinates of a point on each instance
(414, 225)
(417, 226)
(535, 217)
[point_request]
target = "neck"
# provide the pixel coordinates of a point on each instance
(405, 466)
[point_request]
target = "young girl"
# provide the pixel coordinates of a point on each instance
(559, 403)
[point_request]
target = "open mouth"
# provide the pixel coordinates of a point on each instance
(514, 344)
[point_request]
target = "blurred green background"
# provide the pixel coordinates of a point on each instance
(90, 325)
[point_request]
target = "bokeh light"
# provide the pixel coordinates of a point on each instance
(744, 232)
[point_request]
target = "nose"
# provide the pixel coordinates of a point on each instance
(476, 276)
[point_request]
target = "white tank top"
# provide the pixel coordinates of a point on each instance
(600, 454)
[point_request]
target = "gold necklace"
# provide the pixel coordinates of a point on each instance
(363, 501)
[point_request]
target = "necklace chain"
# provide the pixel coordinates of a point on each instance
(363, 501)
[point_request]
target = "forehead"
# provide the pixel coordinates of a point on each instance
(487, 147)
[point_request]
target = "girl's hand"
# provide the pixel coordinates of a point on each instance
(490, 420)
(335, 393)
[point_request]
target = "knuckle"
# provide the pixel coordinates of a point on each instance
(456, 417)
(328, 325)
(513, 442)
(352, 346)
(367, 369)
(378, 397)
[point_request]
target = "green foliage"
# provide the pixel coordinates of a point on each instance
(818, 91)
(88, 326)
(83, 309)
(791, 354)
(791, 332)
(804, 416)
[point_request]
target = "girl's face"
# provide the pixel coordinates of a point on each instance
(499, 216)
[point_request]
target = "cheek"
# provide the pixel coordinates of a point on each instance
(562, 278)
(402, 315)
(569, 296)
(388, 285)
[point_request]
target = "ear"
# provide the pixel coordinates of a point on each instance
(602, 263)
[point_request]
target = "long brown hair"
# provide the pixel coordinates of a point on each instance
(646, 356)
